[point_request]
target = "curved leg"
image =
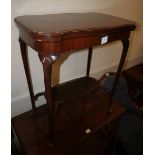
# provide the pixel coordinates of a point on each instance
(125, 43)
(47, 62)
(24, 54)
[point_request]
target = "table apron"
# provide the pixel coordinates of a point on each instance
(71, 44)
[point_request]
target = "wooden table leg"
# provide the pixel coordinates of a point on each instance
(47, 62)
(24, 54)
(125, 43)
(89, 61)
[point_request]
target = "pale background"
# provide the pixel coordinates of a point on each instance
(105, 58)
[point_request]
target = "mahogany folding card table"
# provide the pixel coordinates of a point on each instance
(79, 107)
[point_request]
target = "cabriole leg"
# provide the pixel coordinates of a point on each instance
(24, 54)
(125, 43)
(47, 62)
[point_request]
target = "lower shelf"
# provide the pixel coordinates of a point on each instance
(73, 123)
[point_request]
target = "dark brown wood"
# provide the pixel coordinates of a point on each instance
(57, 33)
(24, 54)
(70, 123)
(50, 35)
(62, 95)
(125, 43)
(47, 62)
(80, 86)
(89, 60)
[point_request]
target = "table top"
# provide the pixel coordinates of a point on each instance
(55, 24)
(35, 30)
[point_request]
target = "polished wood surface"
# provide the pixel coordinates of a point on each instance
(72, 119)
(51, 35)
(73, 89)
(65, 23)
(56, 33)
